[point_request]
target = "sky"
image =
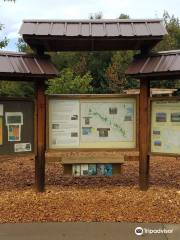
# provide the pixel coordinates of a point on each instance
(12, 14)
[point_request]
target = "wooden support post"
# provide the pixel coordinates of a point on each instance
(41, 136)
(144, 134)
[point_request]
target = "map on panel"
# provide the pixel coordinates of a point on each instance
(107, 121)
(165, 131)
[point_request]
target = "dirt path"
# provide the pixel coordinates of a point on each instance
(90, 199)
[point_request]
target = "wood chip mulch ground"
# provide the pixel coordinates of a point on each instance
(90, 199)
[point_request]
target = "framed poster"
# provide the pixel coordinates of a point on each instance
(165, 126)
(14, 118)
(64, 123)
(17, 125)
(92, 123)
(14, 133)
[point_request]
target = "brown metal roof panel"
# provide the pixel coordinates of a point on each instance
(5, 65)
(136, 66)
(28, 28)
(46, 67)
(112, 29)
(165, 64)
(141, 29)
(58, 29)
(157, 29)
(18, 64)
(150, 65)
(85, 29)
(98, 30)
(126, 29)
(176, 63)
(72, 29)
(32, 66)
(43, 28)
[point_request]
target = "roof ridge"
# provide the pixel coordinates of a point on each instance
(21, 54)
(91, 20)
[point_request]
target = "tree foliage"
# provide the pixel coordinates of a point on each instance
(3, 42)
(68, 82)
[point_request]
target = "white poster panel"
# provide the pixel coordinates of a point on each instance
(165, 127)
(107, 121)
(22, 147)
(1, 109)
(14, 118)
(64, 119)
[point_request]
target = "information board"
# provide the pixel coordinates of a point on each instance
(16, 126)
(165, 127)
(95, 123)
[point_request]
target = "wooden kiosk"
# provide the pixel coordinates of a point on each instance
(85, 35)
(31, 68)
(155, 67)
(98, 35)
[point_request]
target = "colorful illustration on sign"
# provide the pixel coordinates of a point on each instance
(14, 120)
(84, 169)
(1, 131)
(14, 133)
(92, 169)
(108, 169)
(100, 169)
(86, 130)
(76, 170)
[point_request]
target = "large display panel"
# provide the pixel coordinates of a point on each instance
(165, 127)
(16, 126)
(92, 123)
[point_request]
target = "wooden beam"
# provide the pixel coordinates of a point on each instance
(41, 136)
(144, 134)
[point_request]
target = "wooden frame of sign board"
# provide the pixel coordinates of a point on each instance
(19, 99)
(153, 99)
(90, 97)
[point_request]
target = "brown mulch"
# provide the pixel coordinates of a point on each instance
(90, 199)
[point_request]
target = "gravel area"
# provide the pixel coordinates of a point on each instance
(90, 198)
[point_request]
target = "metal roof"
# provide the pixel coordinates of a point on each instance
(54, 35)
(153, 91)
(25, 66)
(163, 65)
